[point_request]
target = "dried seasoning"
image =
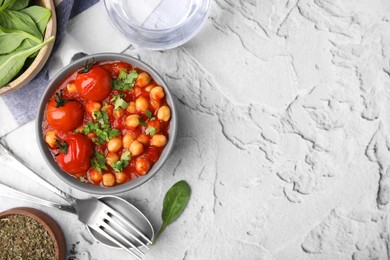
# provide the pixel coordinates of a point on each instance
(23, 237)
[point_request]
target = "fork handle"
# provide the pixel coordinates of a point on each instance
(12, 161)
(6, 191)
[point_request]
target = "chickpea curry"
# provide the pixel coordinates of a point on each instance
(107, 123)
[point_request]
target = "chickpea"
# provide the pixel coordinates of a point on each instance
(128, 138)
(158, 140)
(114, 144)
(137, 91)
(142, 166)
(131, 108)
(143, 79)
(154, 104)
(141, 104)
(136, 148)
(91, 106)
(164, 113)
(108, 179)
(148, 88)
(143, 138)
(95, 176)
(50, 138)
(71, 88)
(157, 93)
(132, 121)
(109, 109)
(112, 158)
(80, 129)
(91, 135)
(119, 113)
(121, 177)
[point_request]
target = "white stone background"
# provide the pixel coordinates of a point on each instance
(284, 112)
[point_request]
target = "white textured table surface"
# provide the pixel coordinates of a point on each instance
(284, 137)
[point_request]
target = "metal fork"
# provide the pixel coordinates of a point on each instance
(92, 212)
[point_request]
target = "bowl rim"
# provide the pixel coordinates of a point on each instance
(48, 157)
(42, 56)
(139, 35)
(48, 223)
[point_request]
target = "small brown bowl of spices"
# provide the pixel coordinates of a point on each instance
(27, 233)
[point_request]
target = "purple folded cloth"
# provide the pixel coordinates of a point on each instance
(22, 104)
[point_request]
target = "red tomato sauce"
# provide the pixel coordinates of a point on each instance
(151, 131)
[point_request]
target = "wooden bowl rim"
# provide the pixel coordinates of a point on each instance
(43, 54)
(48, 224)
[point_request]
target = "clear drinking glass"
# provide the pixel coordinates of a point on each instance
(158, 24)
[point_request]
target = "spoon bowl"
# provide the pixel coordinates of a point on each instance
(131, 213)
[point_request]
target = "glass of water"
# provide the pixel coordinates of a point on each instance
(158, 24)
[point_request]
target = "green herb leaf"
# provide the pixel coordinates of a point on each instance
(175, 201)
(113, 132)
(19, 4)
(98, 162)
(102, 129)
(83, 179)
(122, 163)
(150, 131)
(12, 63)
(124, 81)
(119, 102)
(40, 16)
(141, 122)
(11, 39)
(16, 20)
(150, 115)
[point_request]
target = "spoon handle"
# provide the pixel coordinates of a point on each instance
(10, 160)
(12, 193)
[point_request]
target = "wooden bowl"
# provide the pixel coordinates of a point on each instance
(47, 222)
(43, 53)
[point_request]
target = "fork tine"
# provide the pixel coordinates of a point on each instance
(122, 228)
(105, 234)
(118, 215)
(105, 225)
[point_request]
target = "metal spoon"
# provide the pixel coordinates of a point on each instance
(119, 204)
(116, 204)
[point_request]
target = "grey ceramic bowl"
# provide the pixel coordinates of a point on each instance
(90, 188)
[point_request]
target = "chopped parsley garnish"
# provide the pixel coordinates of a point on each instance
(119, 102)
(141, 122)
(122, 163)
(102, 128)
(98, 162)
(124, 81)
(150, 115)
(150, 131)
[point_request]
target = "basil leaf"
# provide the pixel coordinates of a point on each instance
(6, 4)
(98, 162)
(40, 15)
(19, 4)
(175, 201)
(16, 20)
(12, 39)
(12, 63)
